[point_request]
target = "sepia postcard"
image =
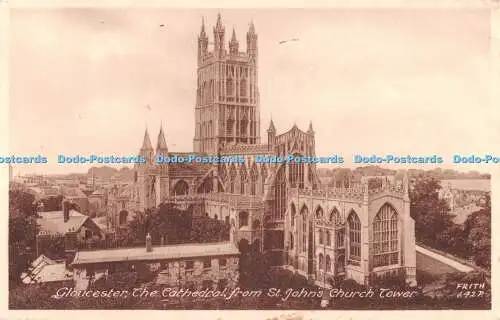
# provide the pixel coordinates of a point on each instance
(267, 158)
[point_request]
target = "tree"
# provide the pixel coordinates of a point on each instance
(431, 214)
(23, 229)
(479, 236)
(52, 203)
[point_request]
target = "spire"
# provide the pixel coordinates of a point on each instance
(233, 37)
(271, 127)
(202, 32)
(251, 30)
(162, 144)
(310, 130)
(218, 26)
(146, 144)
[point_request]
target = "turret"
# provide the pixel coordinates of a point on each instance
(147, 149)
(233, 45)
(202, 42)
(219, 31)
(310, 130)
(252, 42)
(271, 135)
(161, 146)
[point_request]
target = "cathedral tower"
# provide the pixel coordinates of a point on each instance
(227, 96)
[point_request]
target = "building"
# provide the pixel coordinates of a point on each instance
(278, 208)
(46, 270)
(195, 266)
(57, 227)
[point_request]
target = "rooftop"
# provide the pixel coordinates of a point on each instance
(158, 253)
(52, 222)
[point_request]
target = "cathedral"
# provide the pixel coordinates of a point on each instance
(280, 209)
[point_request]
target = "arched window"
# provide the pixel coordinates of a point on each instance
(243, 88)
(328, 267)
(123, 217)
(385, 237)
(229, 87)
(320, 236)
(321, 263)
(291, 241)
(319, 213)
(335, 216)
(292, 214)
(256, 224)
(254, 175)
(296, 173)
(328, 238)
(354, 238)
(181, 187)
(243, 219)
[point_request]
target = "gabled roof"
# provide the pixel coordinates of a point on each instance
(53, 222)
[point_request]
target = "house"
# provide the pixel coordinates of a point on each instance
(210, 265)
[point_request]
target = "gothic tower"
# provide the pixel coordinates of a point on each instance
(227, 96)
(146, 175)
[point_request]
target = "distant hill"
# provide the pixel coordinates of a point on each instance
(438, 173)
(106, 172)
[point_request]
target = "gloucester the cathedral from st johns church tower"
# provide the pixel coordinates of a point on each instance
(324, 234)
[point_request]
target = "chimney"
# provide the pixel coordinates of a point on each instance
(66, 206)
(149, 245)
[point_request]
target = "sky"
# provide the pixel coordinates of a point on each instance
(372, 81)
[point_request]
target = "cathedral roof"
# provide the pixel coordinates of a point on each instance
(244, 149)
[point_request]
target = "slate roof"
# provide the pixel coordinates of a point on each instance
(52, 222)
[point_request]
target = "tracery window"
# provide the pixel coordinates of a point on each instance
(385, 237)
(354, 226)
(296, 174)
(229, 87)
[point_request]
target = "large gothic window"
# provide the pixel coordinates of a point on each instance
(296, 174)
(385, 237)
(243, 88)
(328, 237)
(280, 194)
(319, 213)
(354, 226)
